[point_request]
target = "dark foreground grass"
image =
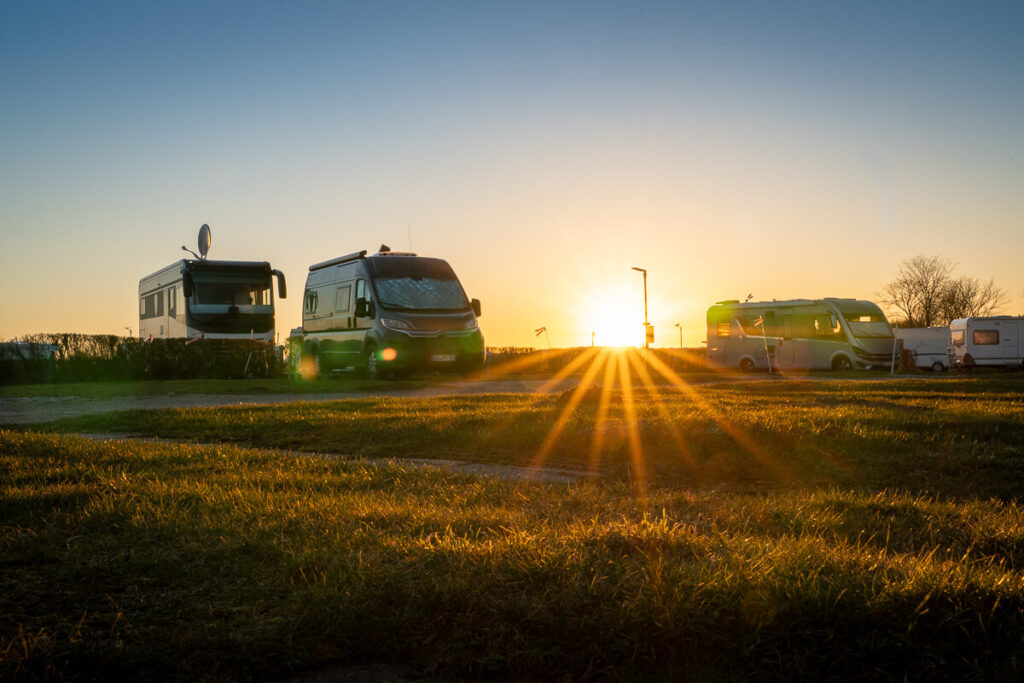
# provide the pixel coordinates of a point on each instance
(961, 437)
(140, 560)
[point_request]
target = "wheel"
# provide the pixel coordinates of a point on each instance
(371, 363)
(841, 363)
(938, 367)
(747, 365)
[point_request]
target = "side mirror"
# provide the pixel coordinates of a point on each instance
(475, 305)
(282, 288)
(362, 308)
(186, 285)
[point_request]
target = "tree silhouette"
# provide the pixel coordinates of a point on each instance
(925, 293)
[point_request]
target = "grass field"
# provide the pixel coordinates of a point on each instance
(770, 530)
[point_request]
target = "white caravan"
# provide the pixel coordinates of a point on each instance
(813, 334)
(993, 342)
(929, 347)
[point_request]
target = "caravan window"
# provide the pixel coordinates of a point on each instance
(985, 337)
(723, 329)
(957, 337)
(342, 299)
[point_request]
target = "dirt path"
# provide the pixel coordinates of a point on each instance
(30, 410)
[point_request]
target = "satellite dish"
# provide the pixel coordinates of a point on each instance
(204, 240)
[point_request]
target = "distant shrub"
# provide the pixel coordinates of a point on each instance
(70, 357)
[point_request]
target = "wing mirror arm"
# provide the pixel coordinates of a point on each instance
(282, 288)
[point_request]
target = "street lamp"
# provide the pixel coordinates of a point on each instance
(680, 335)
(647, 325)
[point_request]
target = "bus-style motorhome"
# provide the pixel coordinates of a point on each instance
(812, 334)
(384, 314)
(996, 341)
(199, 298)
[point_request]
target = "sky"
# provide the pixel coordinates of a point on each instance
(782, 149)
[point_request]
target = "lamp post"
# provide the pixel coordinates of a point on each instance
(680, 335)
(647, 325)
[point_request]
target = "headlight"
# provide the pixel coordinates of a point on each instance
(393, 324)
(471, 324)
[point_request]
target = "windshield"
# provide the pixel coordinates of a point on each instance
(866, 327)
(231, 289)
(421, 294)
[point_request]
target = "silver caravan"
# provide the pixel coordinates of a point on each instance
(993, 342)
(927, 347)
(213, 299)
(385, 314)
(812, 334)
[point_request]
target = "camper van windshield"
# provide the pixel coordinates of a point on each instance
(421, 293)
(865, 320)
(231, 289)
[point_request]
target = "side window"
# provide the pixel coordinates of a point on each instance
(985, 337)
(310, 302)
(826, 325)
(360, 289)
(343, 299)
(172, 302)
(724, 330)
(159, 296)
(958, 338)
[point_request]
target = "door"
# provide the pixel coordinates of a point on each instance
(784, 350)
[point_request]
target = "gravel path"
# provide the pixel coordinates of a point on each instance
(29, 410)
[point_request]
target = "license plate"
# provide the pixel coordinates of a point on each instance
(442, 358)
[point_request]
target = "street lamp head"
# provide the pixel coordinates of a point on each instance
(642, 270)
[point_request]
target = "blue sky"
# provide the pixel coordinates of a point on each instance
(779, 149)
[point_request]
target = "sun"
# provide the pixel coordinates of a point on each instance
(612, 319)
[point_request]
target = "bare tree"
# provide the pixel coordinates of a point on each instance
(925, 293)
(916, 294)
(968, 296)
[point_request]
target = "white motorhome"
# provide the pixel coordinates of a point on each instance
(389, 313)
(212, 299)
(813, 334)
(928, 346)
(993, 342)
(215, 299)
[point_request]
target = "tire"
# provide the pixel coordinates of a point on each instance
(746, 365)
(842, 363)
(938, 367)
(371, 363)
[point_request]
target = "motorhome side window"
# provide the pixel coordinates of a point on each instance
(985, 337)
(152, 305)
(172, 309)
(826, 325)
(958, 337)
(749, 325)
(724, 329)
(360, 289)
(342, 299)
(310, 302)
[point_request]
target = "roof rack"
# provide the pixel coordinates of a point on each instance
(354, 256)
